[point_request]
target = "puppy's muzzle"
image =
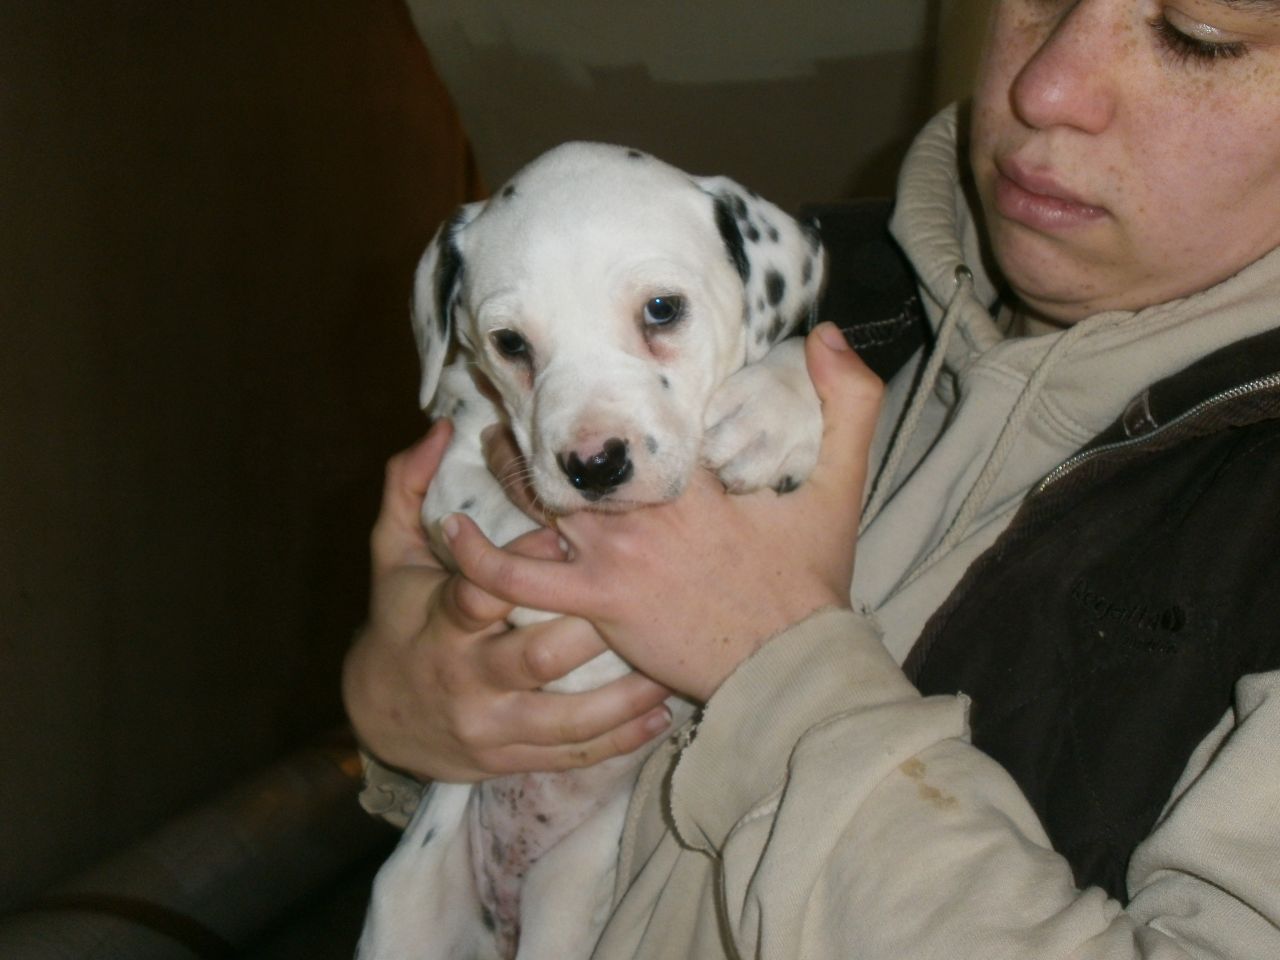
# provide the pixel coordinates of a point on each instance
(602, 472)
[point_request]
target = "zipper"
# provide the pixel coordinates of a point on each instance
(1269, 382)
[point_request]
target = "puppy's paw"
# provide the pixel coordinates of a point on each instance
(763, 426)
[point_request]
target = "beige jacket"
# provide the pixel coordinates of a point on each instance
(823, 809)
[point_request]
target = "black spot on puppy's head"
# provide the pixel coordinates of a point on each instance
(634, 154)
(728, 227)
(812, 234)
(775, 287)
(447, 274)
(807, 315)
(508, 191)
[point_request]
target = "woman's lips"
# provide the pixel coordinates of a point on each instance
(1039, 202)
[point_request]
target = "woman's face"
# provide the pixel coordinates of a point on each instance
(1127, 152)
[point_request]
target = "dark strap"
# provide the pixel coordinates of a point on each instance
(1101, 637)
(871, 290)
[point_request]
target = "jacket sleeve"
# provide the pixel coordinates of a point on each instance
(887, 830)
(388, 794)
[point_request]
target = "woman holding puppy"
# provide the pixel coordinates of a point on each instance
(1045, 721)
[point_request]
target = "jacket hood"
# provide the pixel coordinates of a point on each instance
(1117, 353)
(967, 431)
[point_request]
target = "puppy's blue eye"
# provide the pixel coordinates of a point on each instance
(510, 344)
(661, 311)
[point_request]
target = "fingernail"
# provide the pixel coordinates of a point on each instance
(450, 527)
(658, 721)
(832, 336)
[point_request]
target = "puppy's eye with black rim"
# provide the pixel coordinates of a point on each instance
(663, 311)
(510, 344)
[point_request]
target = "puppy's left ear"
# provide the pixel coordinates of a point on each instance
(781, 261)
(436, 286)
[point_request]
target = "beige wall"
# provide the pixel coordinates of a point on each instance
(805, 100)
(209, 213)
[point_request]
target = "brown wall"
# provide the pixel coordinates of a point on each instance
(209, 213)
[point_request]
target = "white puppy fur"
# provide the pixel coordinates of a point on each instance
(628, 322)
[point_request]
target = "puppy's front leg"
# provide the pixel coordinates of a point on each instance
(763, 427)
(425, 904)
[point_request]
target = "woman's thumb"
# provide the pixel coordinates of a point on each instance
(850, 393)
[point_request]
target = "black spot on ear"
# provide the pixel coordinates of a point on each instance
(448, 273)
(806, 317)
(751, 233)
(739, 207)
(786, 485)
(774, 287)
(650, 443)
(811, 233)
(460, 404)
(509, 191)
(466, 504)
(635, 155)
(773, 232)
(662, 379)
(732, 238)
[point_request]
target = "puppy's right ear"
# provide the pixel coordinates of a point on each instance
(436, 287)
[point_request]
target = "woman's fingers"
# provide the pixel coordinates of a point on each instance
(541, 584)
(472, 608)
(615, 742)
(397, 536)
(573, 719)
(540, 653)
(851, 395)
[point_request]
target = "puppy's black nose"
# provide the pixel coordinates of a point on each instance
(604, 470)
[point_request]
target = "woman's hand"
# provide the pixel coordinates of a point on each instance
(688, 590)
(436, 684)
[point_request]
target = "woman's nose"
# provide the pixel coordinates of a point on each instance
(1068, 80)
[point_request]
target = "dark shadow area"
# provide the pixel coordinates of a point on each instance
(211, 213)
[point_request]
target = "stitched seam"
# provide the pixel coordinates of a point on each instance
(880, 332)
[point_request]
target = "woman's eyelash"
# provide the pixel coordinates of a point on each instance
(1183, 47)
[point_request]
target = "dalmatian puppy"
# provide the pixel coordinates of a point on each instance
(628, 323)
